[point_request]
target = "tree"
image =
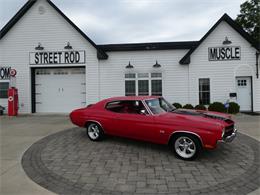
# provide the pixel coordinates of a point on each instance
(249, 18)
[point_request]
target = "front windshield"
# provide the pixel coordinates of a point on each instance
(159, 105)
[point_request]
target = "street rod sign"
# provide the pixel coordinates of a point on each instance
(57, 57)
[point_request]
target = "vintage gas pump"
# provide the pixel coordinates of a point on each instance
(12, 95)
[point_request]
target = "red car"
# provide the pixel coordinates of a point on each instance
(153, 119)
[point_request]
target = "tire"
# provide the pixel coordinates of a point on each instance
(94, 131)
(186, 146)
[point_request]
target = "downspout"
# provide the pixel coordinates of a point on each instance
(257, 59)
(99, 80)
(189, 83)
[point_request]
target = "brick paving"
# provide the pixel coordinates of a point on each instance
(68, 163)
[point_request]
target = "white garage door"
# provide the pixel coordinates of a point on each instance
(59, 90)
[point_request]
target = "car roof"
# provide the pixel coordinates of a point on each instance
(131, 98)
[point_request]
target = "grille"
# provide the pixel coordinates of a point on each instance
(229, 130)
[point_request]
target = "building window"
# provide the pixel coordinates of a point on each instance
(241, 82)
(156, 83)
(204, 91)
(157, 87)
(143, 87)
(4, 89)
(143, 84)
(130, 76)
(130, 88)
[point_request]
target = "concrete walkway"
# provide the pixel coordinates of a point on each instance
(19, 133)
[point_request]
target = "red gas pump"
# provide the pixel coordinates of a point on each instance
(12, 101)
(12, 95)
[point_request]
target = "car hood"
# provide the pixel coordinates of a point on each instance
(196, 118)
(204, 113)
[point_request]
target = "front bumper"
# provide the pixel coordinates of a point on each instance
(231, 137)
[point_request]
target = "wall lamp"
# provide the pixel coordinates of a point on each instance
(39, 47)
(156, 65)
(68, 46)
(226, 41)
(129, 66)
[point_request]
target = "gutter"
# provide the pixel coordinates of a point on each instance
(257, 59)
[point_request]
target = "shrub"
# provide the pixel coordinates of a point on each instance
(217, 106)
(200, 107)
(177, 105)
(188, 106)
(233, 108)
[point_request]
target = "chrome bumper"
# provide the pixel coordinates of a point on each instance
(231, 137)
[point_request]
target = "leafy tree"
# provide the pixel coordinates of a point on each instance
(249, 18)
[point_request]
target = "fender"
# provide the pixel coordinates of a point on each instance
(188, 132)
(95, 122)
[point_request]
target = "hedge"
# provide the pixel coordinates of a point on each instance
(217, 106)
(188, 106)
(177, 105)
(233, 108)
(200, 107)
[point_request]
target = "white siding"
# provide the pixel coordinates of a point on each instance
(105, 78)
(222, 73)
(175, 76)
(53, 32)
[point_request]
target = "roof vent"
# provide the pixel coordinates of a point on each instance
(41, 10)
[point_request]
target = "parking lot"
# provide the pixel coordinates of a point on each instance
(67, 162)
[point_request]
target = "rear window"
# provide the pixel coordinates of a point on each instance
(114, 106)
(127, 107)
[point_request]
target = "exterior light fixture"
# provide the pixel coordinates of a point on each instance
(226, 41)
(156, 65)
(39, 47)
(68, 46)
(129, 66)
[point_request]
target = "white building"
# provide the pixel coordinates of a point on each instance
(59, 68)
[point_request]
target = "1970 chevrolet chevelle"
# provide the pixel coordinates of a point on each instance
(152, 118)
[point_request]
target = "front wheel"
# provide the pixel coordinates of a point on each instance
(94, 132)
(186, 146)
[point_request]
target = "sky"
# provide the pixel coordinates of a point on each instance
(133, 21)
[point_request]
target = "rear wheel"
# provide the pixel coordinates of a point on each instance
(94, 131)
(185, 146)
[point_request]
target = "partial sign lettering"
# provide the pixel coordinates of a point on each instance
(5, 73)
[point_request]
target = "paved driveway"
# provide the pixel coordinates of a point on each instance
(17, 134)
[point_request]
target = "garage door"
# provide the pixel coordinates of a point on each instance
(59, 90)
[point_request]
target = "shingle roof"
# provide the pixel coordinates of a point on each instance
(149, 46)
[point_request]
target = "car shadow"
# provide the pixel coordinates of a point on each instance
(223, 151)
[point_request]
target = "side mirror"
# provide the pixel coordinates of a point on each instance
(143, 112)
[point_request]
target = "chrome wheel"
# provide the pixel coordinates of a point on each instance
(93, 131)
(185, 147)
